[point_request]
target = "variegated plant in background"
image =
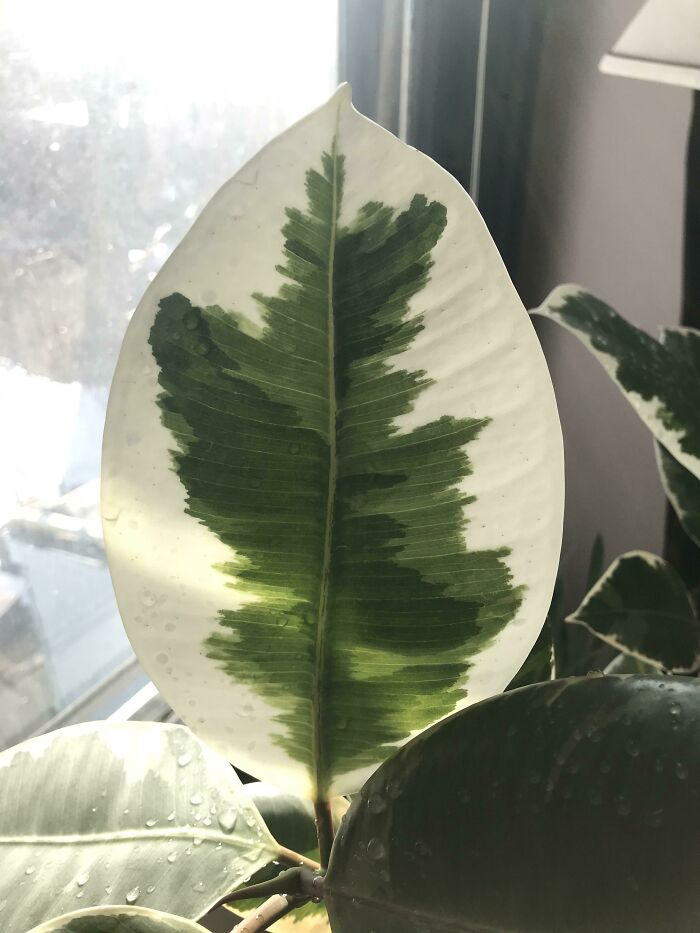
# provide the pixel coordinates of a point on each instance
(640, 605)
(332, 501)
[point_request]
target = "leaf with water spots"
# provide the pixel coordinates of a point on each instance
(342, 518)
(567, 806)
(122, 813)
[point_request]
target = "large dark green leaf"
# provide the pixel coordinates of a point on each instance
(660, 379)
(332, 481)
(683, 491)
(641, 607)
(566, 807)
(119, 813)
(119, 920)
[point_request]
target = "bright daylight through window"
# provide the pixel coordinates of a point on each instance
(111, 145)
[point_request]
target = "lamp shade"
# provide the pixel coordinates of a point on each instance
(662, 43)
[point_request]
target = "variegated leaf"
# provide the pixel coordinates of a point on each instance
(118, 920)
(660, 380)
(641, 607)
(332, 481)
(119, 813)
(683, 490)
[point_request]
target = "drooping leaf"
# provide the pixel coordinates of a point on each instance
(683, 491)
(641, 607)
(289, 818)
(118, 920)
(332, 480)
(115, 813)
(660, 380)
(568, 806)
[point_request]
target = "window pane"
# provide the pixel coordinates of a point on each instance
(118, 123)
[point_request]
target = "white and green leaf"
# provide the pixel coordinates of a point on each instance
(683, 491)
(332, 481)
(118, 920)
(641, 607)
(119, 813)
(661, 380)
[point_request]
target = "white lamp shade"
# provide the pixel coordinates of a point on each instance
(662, 43)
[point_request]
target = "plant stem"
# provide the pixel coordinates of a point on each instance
(294, 858)
(273, 908)
(299, 883)
(324, 830)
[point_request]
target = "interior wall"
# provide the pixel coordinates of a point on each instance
(604, 209)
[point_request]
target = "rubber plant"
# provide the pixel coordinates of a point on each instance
(332, 501)
(641, 606)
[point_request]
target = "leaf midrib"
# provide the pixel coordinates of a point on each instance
(126, 835)
(321, 628)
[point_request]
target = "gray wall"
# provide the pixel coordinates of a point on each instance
(604, 209)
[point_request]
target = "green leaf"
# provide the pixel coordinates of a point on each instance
(332, 467)
(118, 920)
(114, 813)
(290, 819)
(683, 491)
(641, 607)
(660, 380)
(568, 806)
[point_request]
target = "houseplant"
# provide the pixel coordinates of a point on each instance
(333, 514)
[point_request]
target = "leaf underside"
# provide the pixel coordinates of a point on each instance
(349, 533)
(683, 491)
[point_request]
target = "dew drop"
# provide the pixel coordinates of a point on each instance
(197, 841)
(172, 857)
(681, 772)
(622, 806)
(162, 658)
(148, 599)
(375, 849)
(227, 820)
(171, 816)
(184, 760)
(82, 879)
(30, 870)
(108, 889)
(632, 749)
(199, 887)
(196, 799)
(151, 823)
(150, 889)
(376, 803)
(133, 895)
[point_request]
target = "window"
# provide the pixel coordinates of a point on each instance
(118, 124)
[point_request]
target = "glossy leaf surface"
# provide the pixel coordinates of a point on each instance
(332, 481)
(641, 607)
(568, 806)
(661, 380)
(122, 813)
